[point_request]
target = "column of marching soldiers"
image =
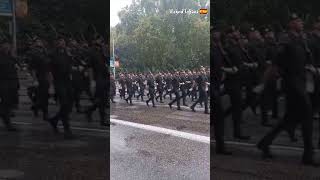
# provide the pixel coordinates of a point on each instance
(177, 85)
(68, 66)
(254, 69)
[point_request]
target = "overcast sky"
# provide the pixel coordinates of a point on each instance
(116, 6)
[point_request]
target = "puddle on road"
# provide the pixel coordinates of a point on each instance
(144, 153)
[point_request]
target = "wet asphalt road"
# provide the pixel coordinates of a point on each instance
(36, 153)
(145, 154)
(251, 126)
(246, 161)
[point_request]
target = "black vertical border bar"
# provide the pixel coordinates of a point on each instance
(107, 34)
(212, 12)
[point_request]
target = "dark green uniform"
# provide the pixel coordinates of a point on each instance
(292, 60)
(151, 88)
(176, 90)
(77, 77)
(315, 48)
(39, 62)
(183, 89)
(203, 95)
(168, 87)
(218, 117)
(130, 89)
(8, 89)
(141, 86)
(123, 89)
(233, 87)
(100, 72)
(254, 54)
(159, 81)
(269, 97)
(61, 68)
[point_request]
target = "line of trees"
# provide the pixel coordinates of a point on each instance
(71, 17)
(263, 12)
(149, 38)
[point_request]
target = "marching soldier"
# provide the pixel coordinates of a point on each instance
(183, 87)
(202, 84)
(141, 86)
(189, 81)
(293, 62)
(194, 94)
(315, 48)
(168, 81)
(77, 68)
(269, 96)
(61, 69)
(135, 85)
(9, 85)
(159, 81)
(176, 90)
(232, 80)
(39, 64)
(98, 81)
(130, 88)
(218, 121)
(122, 83)
(254, 57)
(85, 56)
(151, 88)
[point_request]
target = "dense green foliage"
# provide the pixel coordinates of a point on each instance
(71, 17)
(75, 15)
(149, 38)
(263, 12)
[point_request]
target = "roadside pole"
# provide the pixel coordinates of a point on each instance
(114, 59)
(8, 9)
(14, 28)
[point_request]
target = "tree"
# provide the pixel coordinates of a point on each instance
(263, 12)
(70, 16)
(150, 38)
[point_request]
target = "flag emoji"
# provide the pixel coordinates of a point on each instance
(203, 11)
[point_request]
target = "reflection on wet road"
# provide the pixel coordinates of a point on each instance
(146, 155)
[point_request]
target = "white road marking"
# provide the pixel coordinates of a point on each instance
(87, 129)
(161, 105)
(185, 135)
(76, 128)
(175, 133)
(113, 116)
(277, 147)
